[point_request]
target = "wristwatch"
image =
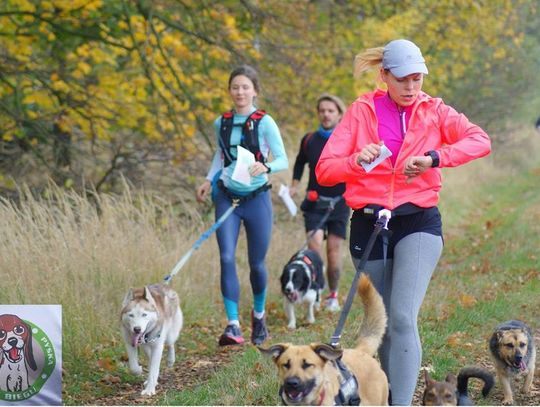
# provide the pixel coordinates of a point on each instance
(434, 157)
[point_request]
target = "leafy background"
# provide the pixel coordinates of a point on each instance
(94, 91)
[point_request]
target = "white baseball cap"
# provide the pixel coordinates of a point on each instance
(402, 58)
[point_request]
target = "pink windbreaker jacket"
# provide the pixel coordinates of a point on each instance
(432, 126)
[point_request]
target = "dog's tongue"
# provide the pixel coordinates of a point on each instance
(135, 339)
(522, 366)
(14, 354)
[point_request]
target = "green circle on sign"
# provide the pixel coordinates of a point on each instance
(49, 363)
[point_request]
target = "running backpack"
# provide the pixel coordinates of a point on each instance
(250, 135)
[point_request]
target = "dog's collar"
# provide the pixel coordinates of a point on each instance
(149, 338)
(321, 398)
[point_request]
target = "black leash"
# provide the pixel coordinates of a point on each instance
(331, 205)
(380, 224)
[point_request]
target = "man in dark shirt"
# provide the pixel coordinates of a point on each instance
(330, 109)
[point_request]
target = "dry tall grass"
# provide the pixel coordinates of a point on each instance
(84, 253)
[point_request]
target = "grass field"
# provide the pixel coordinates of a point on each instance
(84, 253)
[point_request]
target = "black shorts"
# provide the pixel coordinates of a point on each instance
(426, 220)
(336, 224)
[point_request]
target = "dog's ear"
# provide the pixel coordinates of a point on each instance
(275, 350)
(148, 296)
(450, 378)
(28, 350)
(427, 378)
(127, 298)
(326, 352)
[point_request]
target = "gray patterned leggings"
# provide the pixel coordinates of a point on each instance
(403, 285)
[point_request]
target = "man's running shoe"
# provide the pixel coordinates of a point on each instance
(259, 332)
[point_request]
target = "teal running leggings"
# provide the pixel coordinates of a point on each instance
(403, 284)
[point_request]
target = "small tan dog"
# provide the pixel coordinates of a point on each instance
(455, 391)
(513, 350)
(311, 375)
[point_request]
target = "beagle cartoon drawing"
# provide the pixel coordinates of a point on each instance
(16, 354)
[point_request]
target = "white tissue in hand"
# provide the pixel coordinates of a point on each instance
(385, 153)
(287, 200)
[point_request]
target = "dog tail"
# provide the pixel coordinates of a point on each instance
(477, 372)
(374, 323)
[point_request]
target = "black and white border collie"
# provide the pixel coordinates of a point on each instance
(302, 281)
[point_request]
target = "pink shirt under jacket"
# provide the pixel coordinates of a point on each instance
(432, 126)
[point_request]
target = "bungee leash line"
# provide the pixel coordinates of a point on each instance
(200, 240)
(381, 223)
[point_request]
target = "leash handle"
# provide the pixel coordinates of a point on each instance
(380, 224)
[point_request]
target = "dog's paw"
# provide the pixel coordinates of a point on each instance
(170, 363)
(149, 391)
(291, 326)
(508, 402)
(136, 370)
(311, 320)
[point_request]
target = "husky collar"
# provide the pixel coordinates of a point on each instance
(147, 338)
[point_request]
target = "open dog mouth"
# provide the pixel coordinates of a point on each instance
(296, 395)
(292, 296)
(520, 365)
(14, 354)
(136, 339)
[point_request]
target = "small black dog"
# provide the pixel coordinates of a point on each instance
(302, 280)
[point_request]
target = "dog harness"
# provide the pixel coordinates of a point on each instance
(348, 386)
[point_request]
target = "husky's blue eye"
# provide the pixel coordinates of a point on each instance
(131, 315)
(144, 314)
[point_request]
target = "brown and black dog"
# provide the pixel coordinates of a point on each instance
(513, 350)
(311, 374)
(454, 391)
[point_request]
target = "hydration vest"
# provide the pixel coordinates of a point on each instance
(249, 139)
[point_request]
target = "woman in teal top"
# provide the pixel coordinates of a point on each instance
(244, 123)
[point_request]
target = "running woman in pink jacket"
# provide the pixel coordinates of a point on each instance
(423, 135)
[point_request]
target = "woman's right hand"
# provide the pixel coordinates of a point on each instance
(203, 191)
(369, 153)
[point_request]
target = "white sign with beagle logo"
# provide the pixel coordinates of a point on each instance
(31, 355)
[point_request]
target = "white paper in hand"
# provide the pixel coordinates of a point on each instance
(287, 200)
(244, 160)
(385, 153)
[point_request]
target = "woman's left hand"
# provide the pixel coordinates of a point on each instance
(416, 165)
(257, 169)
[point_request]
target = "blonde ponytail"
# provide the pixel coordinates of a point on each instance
(367, 59)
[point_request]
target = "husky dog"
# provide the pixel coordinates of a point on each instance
(15, 353)
(319, 374)
(302, 280)
(514, 353)
(151, 317)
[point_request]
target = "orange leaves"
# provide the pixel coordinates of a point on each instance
(467, 301)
